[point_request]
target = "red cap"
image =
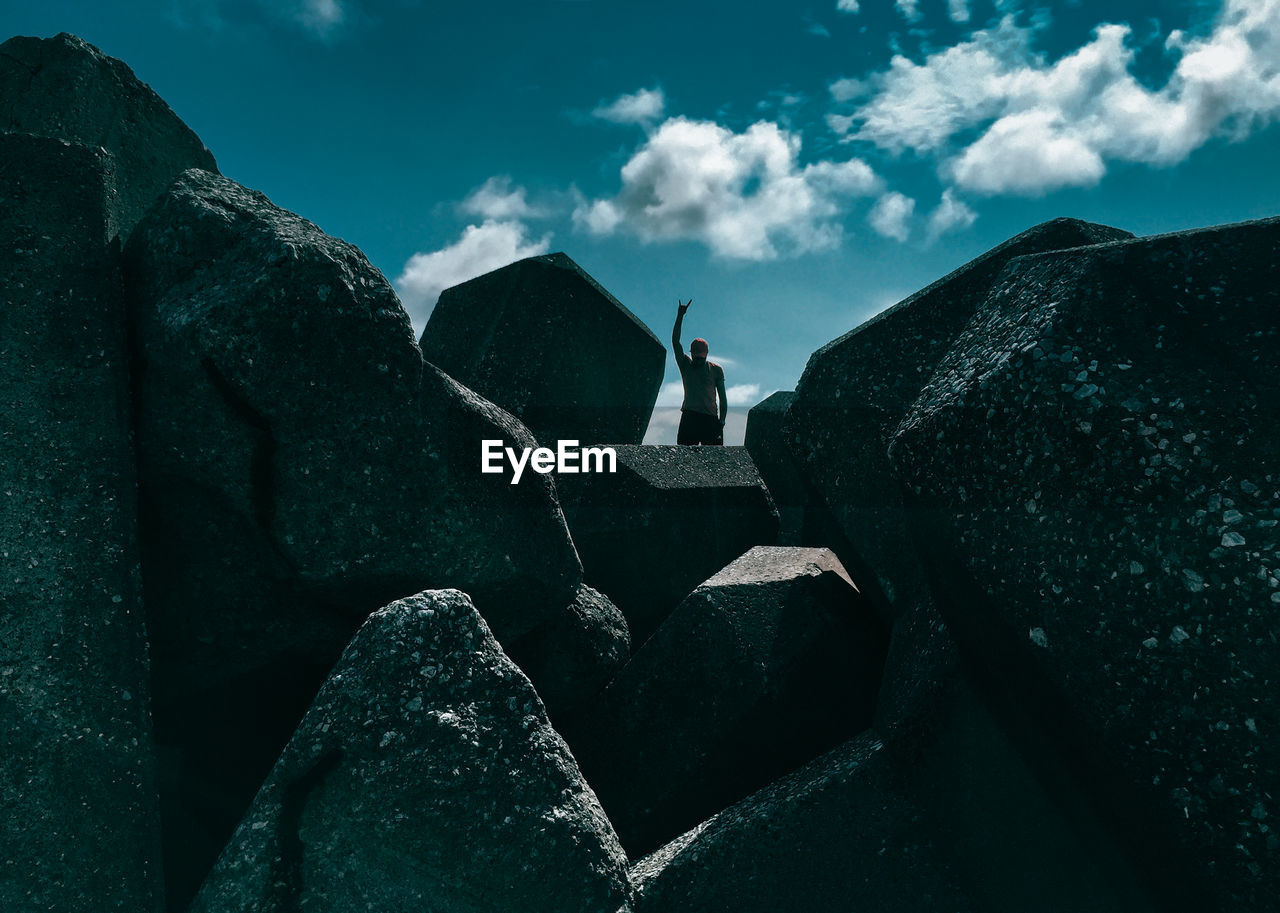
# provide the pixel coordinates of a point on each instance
(699, 347)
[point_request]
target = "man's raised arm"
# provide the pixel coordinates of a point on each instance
(675, 330)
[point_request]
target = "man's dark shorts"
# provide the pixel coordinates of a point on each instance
(699, 428)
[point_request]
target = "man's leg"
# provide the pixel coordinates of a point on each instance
(687, 433)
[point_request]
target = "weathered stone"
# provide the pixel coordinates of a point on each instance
(573, 656)
(79, 824)
(856, 389)
(834, 835)
(766, 442)
(545, 341)
(300, 467)
(668, 519)
(64, 87)
(425, 777)
(763, 667)
(1092, 472)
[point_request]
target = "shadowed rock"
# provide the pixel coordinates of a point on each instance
(668, 519)
(424, 777)
(1092, 471)
(766, 665)
(571, 657)
(855, 390)
(79, 824)
(767, 444)
(66, 88)
(300, 467)
(545, 341)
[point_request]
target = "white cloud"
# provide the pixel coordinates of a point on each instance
(642, 107)
(958, 10)
(744, 195)
(817, 28)
(891, 215)
(847, 6)
(321, 16)
(910, 9)
(951, 214)
(1044, 125)
(742, 394)
(497, 199)
(847, 89)
(482, 248)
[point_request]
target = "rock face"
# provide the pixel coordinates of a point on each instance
(766, 665)
(833, 836)
(767, 444)
(1093, 473)
(425, 776)
(66, 88)
(571, 657)
(300, 467)
(546, 342)
(79, 824)
(668, 519)
(856, 389)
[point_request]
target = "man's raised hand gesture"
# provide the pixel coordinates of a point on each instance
(684, 305)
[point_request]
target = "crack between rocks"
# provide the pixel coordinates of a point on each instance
(261, 469)
(285, 880)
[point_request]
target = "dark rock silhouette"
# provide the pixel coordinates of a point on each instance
(1091, 473)
(767, 444)
(764, 666)
(545, 341)
(425, 776)
(66, 88)
(300, 467)
(833, 836)
(571, 657)
(668, 519)
(79, 821)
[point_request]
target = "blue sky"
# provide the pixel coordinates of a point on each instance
(792, 168)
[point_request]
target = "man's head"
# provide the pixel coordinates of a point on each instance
(698, 349)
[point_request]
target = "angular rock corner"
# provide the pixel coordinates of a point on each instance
(546, 342)
(424, 776)
(1016, 650)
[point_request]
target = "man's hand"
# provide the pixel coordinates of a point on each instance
(684, 305)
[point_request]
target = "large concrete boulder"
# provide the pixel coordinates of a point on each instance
(64, 87)
(546, 342)
(766, 441)
(300, 467)
(425, 777)
(79, 823)
(668, 519)
(763, 667)
(571, 657)
(855, 390)
(1092, 474)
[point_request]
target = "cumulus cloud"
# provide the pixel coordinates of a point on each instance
(847, 6)
(951, 214)
(642, 107)
(891, 215)
(496, 198)
(742, 394)
(1006, 120)
(744, 194)
(958, 10)
(846, 89)
(482, 248)
(910, 9)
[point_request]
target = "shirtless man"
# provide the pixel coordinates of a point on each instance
(700, 421)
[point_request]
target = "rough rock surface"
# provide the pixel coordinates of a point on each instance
(767, 444)
(300, 466)
(573, 656)
(769, 663)
(1093, 471)
(832, 836)
(546, 342)
(79, 824)
(668, 519)
(424, 777)
(64, 87)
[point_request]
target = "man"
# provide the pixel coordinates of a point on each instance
(701, 422)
